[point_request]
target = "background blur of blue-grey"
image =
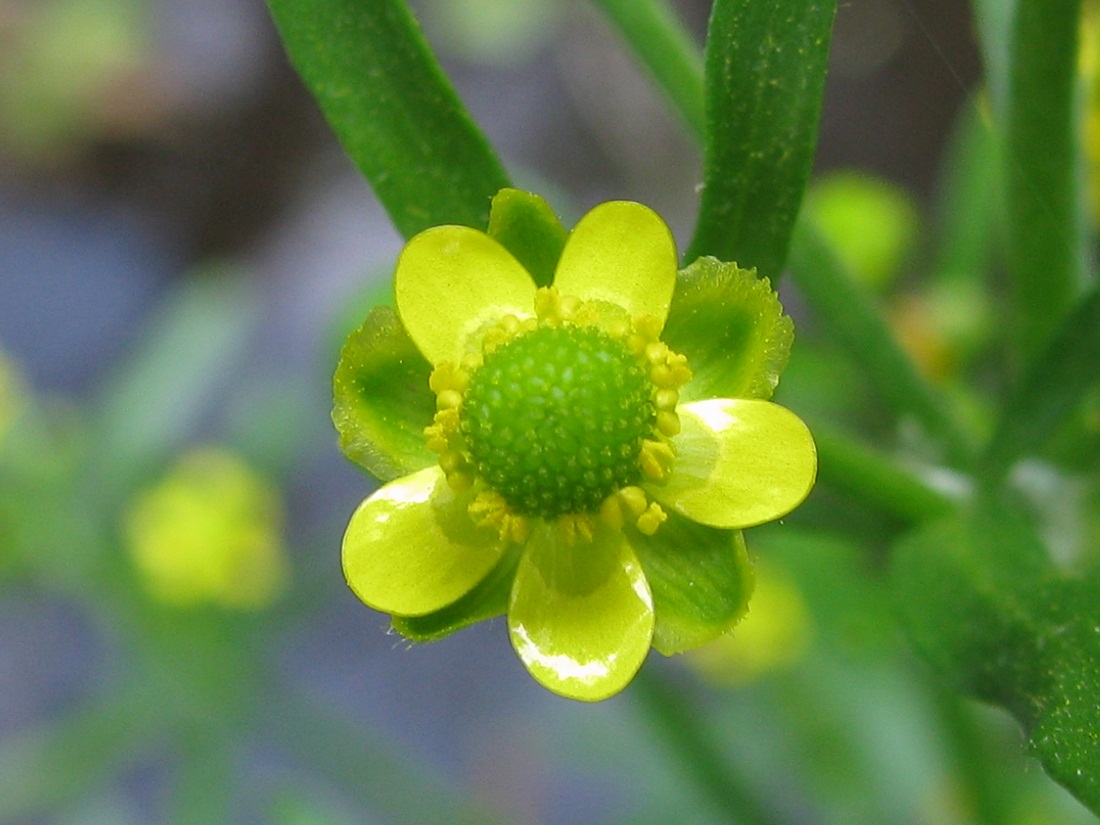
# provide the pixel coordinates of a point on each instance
(147, 146)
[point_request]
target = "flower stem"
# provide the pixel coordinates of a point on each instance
(701, 757)
(666, 49)
(849, 465)
(1050, 391)
(1045, 234)
(859, 327)
(369, 770)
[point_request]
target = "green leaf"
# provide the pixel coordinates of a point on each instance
(732, 329)
(381, 398)
(701, 580)
(376, 774)
(528, 228)
(851, 317)
(765, 73)
(43, 767)
(666, 49)
(486, 601)
(982, 600)
(1045, 237)
(393, 109)
(153, 403)
(1053, 387)
(875, 478)
(966, 212)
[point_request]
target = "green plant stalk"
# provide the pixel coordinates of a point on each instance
(368, 770)
(966, 214)
(969, 752)
(857, 469)
(851, 317)
(1050, 391)
(667, 51)
(1046, 247)
(203, 791)
(765, 75)
(698, 754)
(43, 768)
(393, 109)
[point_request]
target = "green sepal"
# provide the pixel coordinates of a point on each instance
(731, 327)
(982, 600)
(701, 580)
(526, 226)
(381, 398)
(486, 601)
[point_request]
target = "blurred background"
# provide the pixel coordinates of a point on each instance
(183, 247)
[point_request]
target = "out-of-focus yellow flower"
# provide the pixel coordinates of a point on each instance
(209, 532)
(772, 636)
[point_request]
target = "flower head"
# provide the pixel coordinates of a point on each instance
(209, 532)
(578, 470)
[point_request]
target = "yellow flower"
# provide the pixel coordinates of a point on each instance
(209, 532)
(570, 455)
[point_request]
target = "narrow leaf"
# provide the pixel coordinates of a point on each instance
(1046, 251)
(765, 73)
(1055, 383)
(393, 109)
(853, 320)
(666, 49)
(984, 603)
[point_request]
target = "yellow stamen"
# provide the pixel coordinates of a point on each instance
(573, 525)
(666, 399)
(629, 501)
(651, 519)
(656, 458)
(668, 423)
(489, 509)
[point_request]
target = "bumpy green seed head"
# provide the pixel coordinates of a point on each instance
(555, 418)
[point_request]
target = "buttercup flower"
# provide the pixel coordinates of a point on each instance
(209, 532)
(580, 454)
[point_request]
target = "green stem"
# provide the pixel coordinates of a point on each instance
(1046, 251)
(42, 768)
(203, 792)
(970, 754)
(1051, 390)
(393, 109)
(696, 751)
(853, 320)
(874, 478)
(765, 77)
(366, 769)
(967, 213)
(667, 50)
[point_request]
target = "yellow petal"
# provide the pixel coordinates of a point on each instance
(581, 616)
(738, 463)
(411, 548)
(620, 253)
(450, 281)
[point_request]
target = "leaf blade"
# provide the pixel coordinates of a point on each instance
(765, 75)
(393, 109)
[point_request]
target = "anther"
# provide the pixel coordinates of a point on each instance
(651, 519)
(656, 459)
(448, 399)
(668, 423)
(666, 399)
